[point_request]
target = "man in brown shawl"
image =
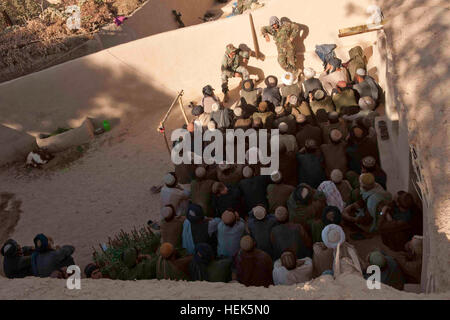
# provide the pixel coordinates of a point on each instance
(278, 192)
(201, 191)
(171, 226)
(253, 266)
(334, 153)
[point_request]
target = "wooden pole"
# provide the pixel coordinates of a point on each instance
(167, 143)
(170, 109)
(255, 39)
(182, 109)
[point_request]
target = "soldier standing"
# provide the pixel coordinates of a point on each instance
(284, 36)
(231, 66)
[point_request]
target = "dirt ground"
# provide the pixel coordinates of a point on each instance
(71, 201)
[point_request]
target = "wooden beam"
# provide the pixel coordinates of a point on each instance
(351, 31)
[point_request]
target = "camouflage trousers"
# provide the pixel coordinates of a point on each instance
(287, 58)
(230, 74)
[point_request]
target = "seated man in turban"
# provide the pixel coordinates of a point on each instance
(410, 261)
(209, 98)
(169, 266)
(334, 122)
(253, 189)
(365, 213)
(334, 153)
(253, 266)
(311, 84)
(197, 229)
(306, 131)
(288, 235)
(201, 118)
(366, 85)
(46, 259)
(289, 270)
(266, 116)
(225, 198)
(290, 87)
(137, 266)
(344, 99)
(395, 223)
(391, 274)
(171, 226)
(201, 191)
(369, 165)
(310, 165)
(230, 228)
(278, 192)
(333, 73)
(319, 100)
(305, 206)
(16, 260)
(172, 193)
(229, 174)
(250, 98)
(260, 225)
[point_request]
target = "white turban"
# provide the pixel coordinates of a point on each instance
(332, 235)
(288, 79)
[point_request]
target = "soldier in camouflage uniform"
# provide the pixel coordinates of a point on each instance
(231, 66)
(284, 36)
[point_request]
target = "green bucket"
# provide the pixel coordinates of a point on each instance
(106, 125)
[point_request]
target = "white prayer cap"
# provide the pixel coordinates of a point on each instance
(319, 94)
(237, 111)
(215, 107)
(366, 103)
(361, 72)
(169, 179)
(166, 212)
(259, 212)
(247, 172)
(309, 73)
(276, 176)
(336, 176)
(200, 172)
(283, 127)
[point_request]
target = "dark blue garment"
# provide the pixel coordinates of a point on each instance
(17, 267)
(326, 52)
(44, 263)
(272, 95)
(310, 169)
(337, 215)
(260, 231)
(230, 200)
(254, 191)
